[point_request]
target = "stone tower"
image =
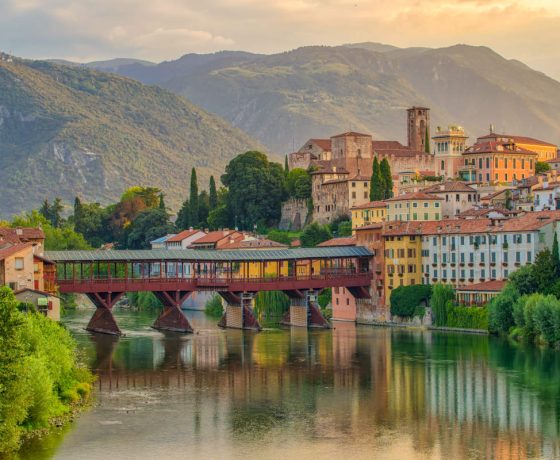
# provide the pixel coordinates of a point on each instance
(418, 128)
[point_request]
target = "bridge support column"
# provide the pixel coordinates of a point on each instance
(239, 311)
(103, 320)
(172, 317)
(304, 310)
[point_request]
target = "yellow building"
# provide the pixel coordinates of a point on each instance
(417, 206)
(403, 256)
(545, 150)
(368, 213)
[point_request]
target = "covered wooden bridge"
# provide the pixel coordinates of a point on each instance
(172, 275)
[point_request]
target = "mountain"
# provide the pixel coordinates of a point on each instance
(67, 131)
(286, 98)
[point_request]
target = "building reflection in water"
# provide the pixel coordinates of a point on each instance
(452, 394)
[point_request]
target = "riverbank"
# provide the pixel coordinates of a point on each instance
(421, 327)
(42, 381)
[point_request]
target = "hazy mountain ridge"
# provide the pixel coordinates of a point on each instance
(67, 131)
(285, 98)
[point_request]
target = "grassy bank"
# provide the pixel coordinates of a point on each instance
(41, 381)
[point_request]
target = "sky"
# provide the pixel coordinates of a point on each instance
(157, 30)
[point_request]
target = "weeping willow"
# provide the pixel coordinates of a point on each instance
(271, 305)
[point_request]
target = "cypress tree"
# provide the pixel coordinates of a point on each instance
(375, 185)
(427, 142)
(161, 202)
(286, 167)
(386, 179)
(183, 217)
(213, 199)
(193, 199)
(556, 254)
(45, 209)
(78, 209)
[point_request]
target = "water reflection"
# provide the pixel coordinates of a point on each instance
(353, 391)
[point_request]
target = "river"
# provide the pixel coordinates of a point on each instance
(354, 392)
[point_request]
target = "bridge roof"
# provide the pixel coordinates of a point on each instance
(200, 255)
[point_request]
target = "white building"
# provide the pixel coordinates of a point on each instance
(546, 196)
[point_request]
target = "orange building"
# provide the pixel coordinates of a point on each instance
(497, 162)
(545, 150)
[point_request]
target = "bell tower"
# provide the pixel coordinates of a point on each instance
(419, 129)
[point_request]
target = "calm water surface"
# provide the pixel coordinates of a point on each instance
(355, 392)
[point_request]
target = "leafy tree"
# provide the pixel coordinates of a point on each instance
(386, 179)
(92, 221)
(279, 236)
(523, 280)
(45, 209)
(441, 295)
(298, 184)
(315, 234)
(544, 270)
(148, 195)
(149, 225)
(509, 200)
(405, 300)
(344, 228)
(376, 187)
(55, 212)
(500, 310)
(256, 189)
(193, 200)
(213, 194)
(183, 216)
(541, 167)
(218, 217)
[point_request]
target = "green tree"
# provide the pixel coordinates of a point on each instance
(218, 217)
(523, 280)
(256, 188)
(45, 209)
(441, 295)
(161, 202)
(93, 224)
(376, 186)
(544, 271)
(427, 141)
(149, 225)
(315, 234)
(407, 300)
(203, 208)
(279, 236)
(541, 167)
(213, 194)
(386, 179)
(56, 212)
(78, 210)
(344, 228)
(193, 200)
(298, 184)
(556, 254)
(500, 310)
(509, 200)
(183, 216)
(286, 167)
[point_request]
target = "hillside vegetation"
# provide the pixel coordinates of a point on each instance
(286, 98)
(67, 131)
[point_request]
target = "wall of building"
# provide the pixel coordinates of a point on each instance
(414, 210)
(294, 214)
(21, 278)
(498, 167)
(403, 262)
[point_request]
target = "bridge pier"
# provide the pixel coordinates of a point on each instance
(304, 310)
(172, 318)
(239, 311)
(103, 320)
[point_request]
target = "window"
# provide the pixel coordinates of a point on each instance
(365, 195)
(415, 216)
(415, 204)
(495, 163)
(444, 241)
(462, 240)
(18, 263)
(482, 257)
(353, 194)
(35, 268)
(435, 258)
(353, 184)
(505, 257)
(517, 256)
(482, 273)
(493, 258)
(444, 274)
(425, 204)
(528, 237)
(493, 274)
(529, 257)
(436, 204)
(444, 258)
(425, 216)
(462, 257)
(487, 163)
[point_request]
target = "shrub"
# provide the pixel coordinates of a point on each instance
(500, 310)
(466, 317)
(441, 295)
(546, 310)
(406, 299)
(214, 307)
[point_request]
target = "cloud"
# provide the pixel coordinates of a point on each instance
(165, 29)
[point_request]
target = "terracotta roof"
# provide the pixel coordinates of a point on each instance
(46, 294)
(351, 133)
(517, 139)
(550, 186)
(341, 241)
(214, 237)
(414, 196)
(43, 259)
(18, 234)
(486, 286)
(325, 144)
(181, 236)
(11, 250)
(387, 145)
(530, 221)
(449, 186)
(371, 204)
(496, 147)
(495, 194)
(295, 243)
(484, 212)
